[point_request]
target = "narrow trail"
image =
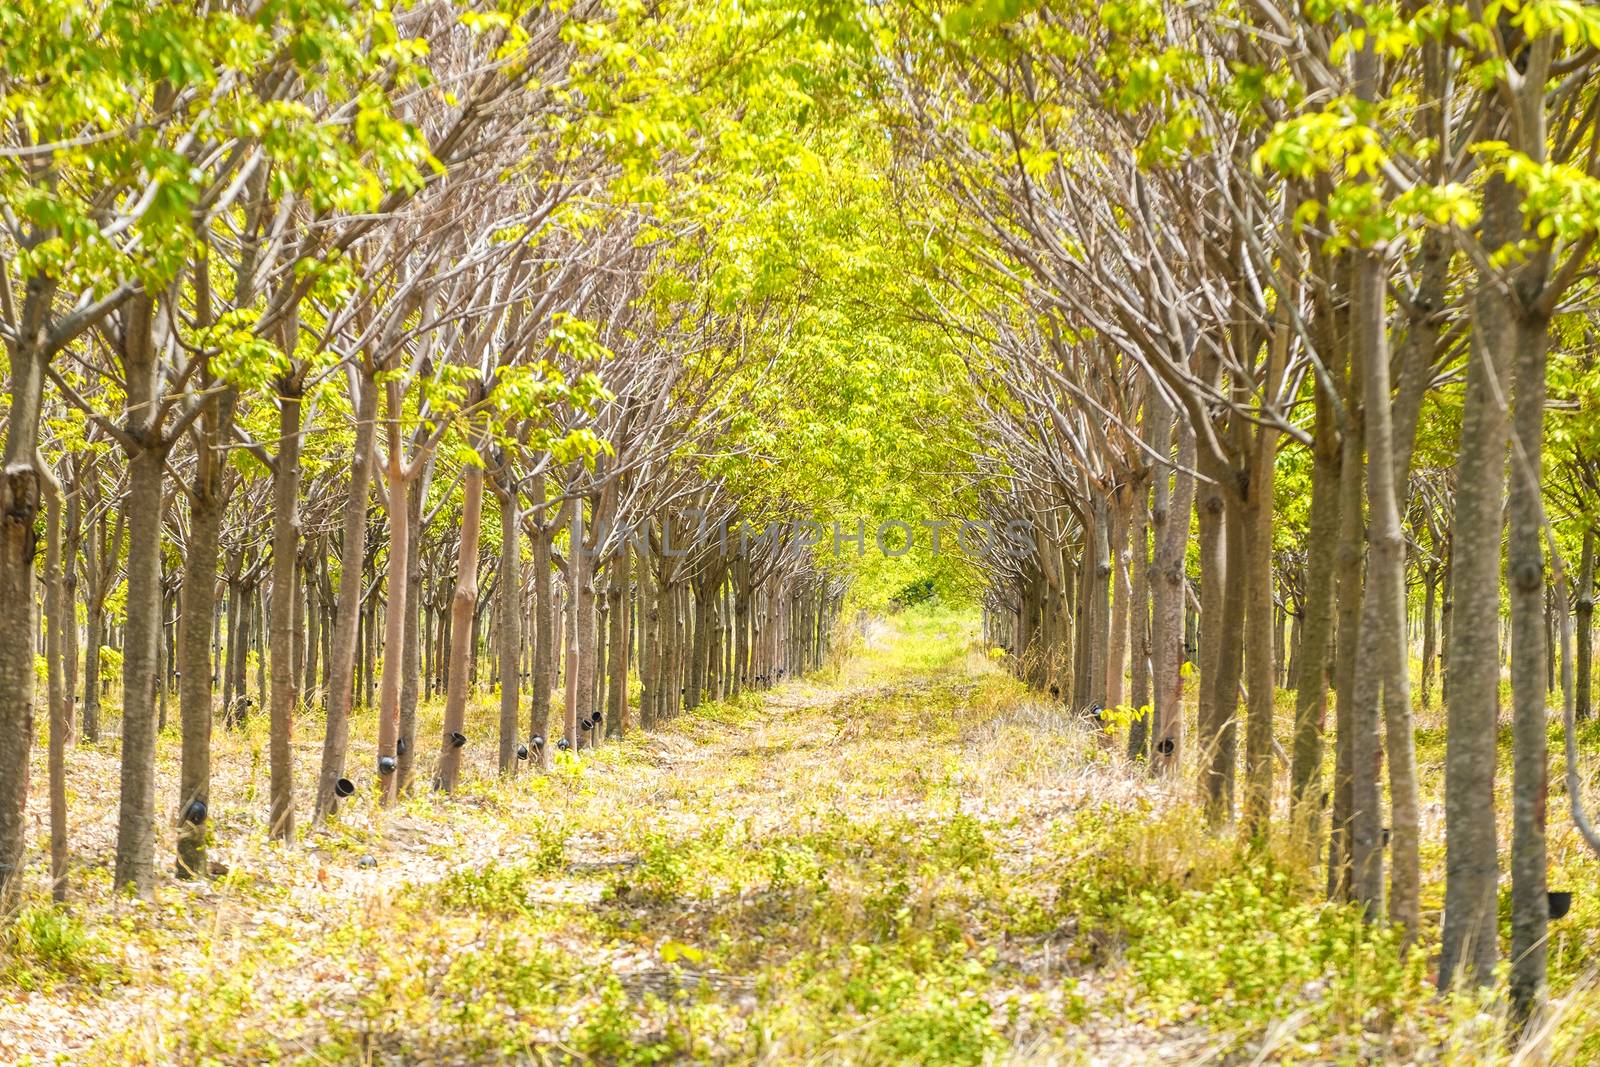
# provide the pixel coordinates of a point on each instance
(862, 868)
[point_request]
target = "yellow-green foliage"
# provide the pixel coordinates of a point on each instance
(42, 945)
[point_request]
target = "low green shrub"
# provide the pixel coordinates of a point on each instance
(495, 889)
(498, 997)
(898, 1002)
(1250, 949)
(41, 945)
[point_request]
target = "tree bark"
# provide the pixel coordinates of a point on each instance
(347, 613)
(569, 669)
(1468, 942)
(57, 619)
(1260, 650)
(21, 488)
(1347, 645)
(1168, 601)
(285, 558)
(544, 624)
(1121, 595)
(136, 836)
(649, 644)
(70, 607)
(509, 625)
(1222, 616)
(1382, 634)
(397, 501)
(1526, 588)
(1314, 628)
(412, 654)
(101, 571)
(1230, 666)
(1583, 698)
(258, 638)
(1430, 633)
(199, 605)
(313, 615)
(583, 642)
(741, 624)
(1139, 624)
(616, 719)
(701, 648)
(463, 605)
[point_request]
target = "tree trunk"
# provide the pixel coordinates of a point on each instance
(94, 634)
(1550, 643)
(649, 644)
(227, 655)
(199, 604)
(163, 658)
(569, 670)
(1526, 589)
(544, 625)
(369, 653)
(1168, 601)
(136, 832)
(741, 625)
(397, 499)
(258, 638)
(1347, 642)
(1217, 521)
(616, 719)
(1447, 610)
(1260, 651)
(1314, 627)
(1230, 666)
(70, 607)
(700, 661)
(583, 643)
(1468, 940)
(463, 605)
(1583, 698)
(412, 654)
(510, 626)
(1139, 624)
(1430, 633)
(285, 556)
(602, 662)
(313, 602)
(21, 487)
(57, 619)
(1121, 595)
(347, 613)
(1383, 623)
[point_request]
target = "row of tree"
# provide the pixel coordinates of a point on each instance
(1304, 280)
(290, 294)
